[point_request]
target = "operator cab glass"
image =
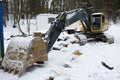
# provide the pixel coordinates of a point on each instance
(103, 21)
(96, 19)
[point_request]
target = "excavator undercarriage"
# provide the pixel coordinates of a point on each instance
(102, 37)
(83, 38)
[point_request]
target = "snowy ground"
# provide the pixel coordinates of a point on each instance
(63, 65)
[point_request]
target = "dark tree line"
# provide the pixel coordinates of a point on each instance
(26, 9)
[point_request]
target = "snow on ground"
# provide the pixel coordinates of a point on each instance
(63, 65)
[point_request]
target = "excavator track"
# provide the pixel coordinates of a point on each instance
(107, 38)
(103, 37)
(84, 38)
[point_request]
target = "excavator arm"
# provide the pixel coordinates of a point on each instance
(54, 31)
(63, 20)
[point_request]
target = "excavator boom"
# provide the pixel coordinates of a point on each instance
(63, 20)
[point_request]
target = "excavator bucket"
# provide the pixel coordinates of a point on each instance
(23, 52)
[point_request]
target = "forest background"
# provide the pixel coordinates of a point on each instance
(29, 9)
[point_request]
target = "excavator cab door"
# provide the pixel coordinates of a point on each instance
(97, 22)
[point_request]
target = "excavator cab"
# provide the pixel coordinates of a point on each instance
(94, 29)
(98, 23)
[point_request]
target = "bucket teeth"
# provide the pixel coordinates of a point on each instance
(10, 70)
(5, 69)
(14, 71)
(15, 68)
(19, 73)
(2, 67)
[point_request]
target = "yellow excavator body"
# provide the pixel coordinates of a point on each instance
(98, 23)
(79, 26)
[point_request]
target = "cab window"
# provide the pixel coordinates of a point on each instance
(103, 19)
(96, 22)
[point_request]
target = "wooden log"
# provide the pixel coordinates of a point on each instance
(108, 67)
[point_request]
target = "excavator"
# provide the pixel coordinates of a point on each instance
(22, 52)
(94, 30)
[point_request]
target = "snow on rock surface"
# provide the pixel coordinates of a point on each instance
(21, 42)
(63, 65)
